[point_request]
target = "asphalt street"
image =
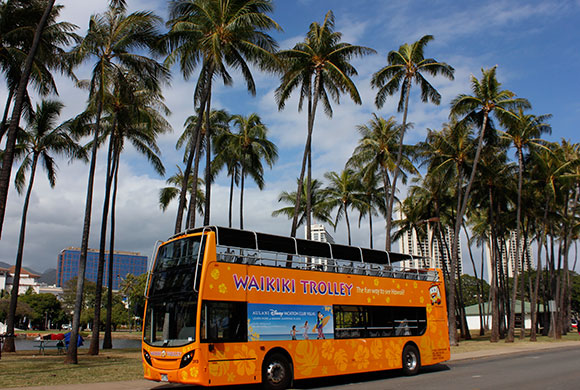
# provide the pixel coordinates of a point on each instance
(557, 369)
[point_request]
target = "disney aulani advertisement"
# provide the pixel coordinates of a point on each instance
(289, 322)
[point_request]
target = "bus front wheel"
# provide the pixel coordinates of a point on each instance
(276, 372)
(411, 360)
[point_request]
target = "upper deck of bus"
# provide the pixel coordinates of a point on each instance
(262, 249)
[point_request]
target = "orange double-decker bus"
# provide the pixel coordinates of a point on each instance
(227, 306)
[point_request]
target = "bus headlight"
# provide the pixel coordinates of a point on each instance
(186, 359)
(147, 357)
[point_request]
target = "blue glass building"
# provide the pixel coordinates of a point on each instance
(123, 264)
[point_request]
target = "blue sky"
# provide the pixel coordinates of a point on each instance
(534, 44)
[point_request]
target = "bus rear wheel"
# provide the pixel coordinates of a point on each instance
(276, 372)
(411, 360)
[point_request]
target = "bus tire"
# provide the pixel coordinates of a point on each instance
(276, 372)
(411, 360)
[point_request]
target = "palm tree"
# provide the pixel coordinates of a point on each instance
(133, 116)
(494, 191)
(551, 170)
(522, 132)
(251, 146)
(18, 21)
(320, 206)
(570, 152)
(228, 156)
(343, 192)
(375, 152)
(218, 123)
(217, 34)
(41, 139)
(168, 194)
(48, 45)
(487, 98)
(415, 212)
(403, 67)
(116, 41)
(319, 67)
(373, 199)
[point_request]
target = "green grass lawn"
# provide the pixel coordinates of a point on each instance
(27, 368)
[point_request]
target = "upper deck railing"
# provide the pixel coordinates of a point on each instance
(253, 248)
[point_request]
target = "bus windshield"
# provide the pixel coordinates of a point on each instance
(172, 304)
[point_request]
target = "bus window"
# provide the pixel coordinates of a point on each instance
(224, 322)
(378, 321)
(178, 253)
(170, 323)
(174, 270)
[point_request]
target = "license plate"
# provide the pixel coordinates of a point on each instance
(164, 378)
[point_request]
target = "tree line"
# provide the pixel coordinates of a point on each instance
(462, 175)
(44, 311)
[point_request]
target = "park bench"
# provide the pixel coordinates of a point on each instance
(42, 345)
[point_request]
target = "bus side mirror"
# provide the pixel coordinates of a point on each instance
(210, 347)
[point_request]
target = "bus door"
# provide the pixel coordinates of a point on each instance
(224, 325)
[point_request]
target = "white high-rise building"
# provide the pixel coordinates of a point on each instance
(433, 251)
(318, 233)
(509, 258)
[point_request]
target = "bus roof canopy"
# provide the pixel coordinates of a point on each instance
(296, 246)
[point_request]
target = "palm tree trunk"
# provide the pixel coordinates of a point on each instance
(534, 313)
(242, 199)
(455, 246)
(512, 321)
(574, 205)
(522, 285)
(386, 186)
(192, 153)
(371, 227)
(193, 198)
(231, 200)
(8, 158)
(71, 357)
(504, 288)
(207, 160)
(479, 291)
(309, 197)
(294, 227)
(453, 257)
(307, 149)
(94, 346)
(9, 344)
(5, 116)
(493, 291)
(397, 167)
(108, 339)
(347, 221)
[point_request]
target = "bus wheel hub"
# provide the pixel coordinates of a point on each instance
(276, 372)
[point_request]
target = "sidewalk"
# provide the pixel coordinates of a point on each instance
(142, 384)
(501, 348)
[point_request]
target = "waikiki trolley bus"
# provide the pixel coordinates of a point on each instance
(227, 306)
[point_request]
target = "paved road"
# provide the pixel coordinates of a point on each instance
(551, 369)
(534, 366)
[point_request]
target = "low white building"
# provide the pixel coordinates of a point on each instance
(27, 280)
(3, 277)
(473, 321)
